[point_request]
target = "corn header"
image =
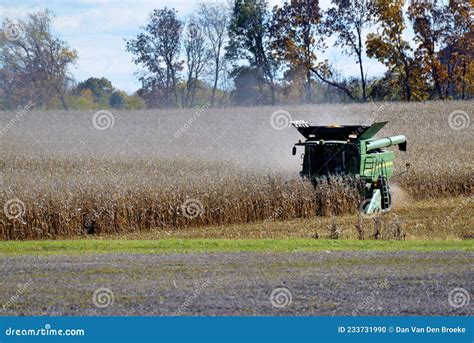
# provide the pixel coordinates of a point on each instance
(351, 151)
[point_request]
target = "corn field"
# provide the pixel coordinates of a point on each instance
(68, 174)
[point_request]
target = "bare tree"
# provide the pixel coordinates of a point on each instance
(197, 55)
(33, 63)
(158, 49)
(213, 19)
(347, 20)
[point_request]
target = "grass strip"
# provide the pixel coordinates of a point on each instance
(85, 246)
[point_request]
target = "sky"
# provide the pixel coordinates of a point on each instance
(97, 29)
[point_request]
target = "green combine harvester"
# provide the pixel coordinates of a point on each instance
(351, 152)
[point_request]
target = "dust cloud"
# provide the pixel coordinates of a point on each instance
(400, 197)
(256, 138)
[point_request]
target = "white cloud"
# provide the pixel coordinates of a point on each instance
(65, 24)
(11, 9)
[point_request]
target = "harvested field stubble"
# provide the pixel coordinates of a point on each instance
(159, 169)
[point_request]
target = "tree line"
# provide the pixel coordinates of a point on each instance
(35, 69)
(246, 53)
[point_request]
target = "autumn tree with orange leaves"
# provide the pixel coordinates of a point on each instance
(389, 47)
(445, 42)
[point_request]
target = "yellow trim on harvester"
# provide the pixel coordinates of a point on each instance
(385, 164)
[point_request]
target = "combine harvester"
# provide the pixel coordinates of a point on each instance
(351, 152)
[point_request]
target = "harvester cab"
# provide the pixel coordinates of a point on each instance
(350, 151)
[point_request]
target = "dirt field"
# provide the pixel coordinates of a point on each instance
(324, 283)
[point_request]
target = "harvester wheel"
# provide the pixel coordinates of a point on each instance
(389, 199)
(365, 206)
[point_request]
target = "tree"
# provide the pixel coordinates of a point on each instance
(158, 49)
(118, 99)
(34, 64)
(297, 31)
(249, 33)
(197, 55)
(429, 23)
(101, 88)
(347, 20)
(458, 51)
(134, 102)
(390, 48)
(247, 85)
(213, 19)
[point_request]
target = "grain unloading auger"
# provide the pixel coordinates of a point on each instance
(351, 151)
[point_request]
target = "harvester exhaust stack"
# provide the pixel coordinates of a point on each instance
(351, 150)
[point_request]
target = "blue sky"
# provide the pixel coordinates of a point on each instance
(97, 29)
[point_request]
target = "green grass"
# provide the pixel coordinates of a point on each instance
(222, 245)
